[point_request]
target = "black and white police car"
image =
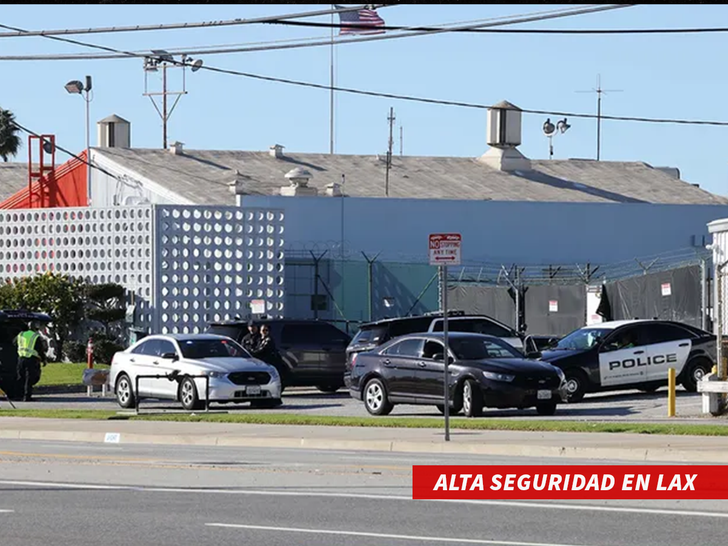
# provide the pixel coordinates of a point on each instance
(632, 354)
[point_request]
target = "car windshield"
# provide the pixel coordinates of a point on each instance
(582, 340)
(478, 349)
(212, 348)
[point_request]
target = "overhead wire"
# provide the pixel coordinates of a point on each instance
(514, 30)
(412, 98)
(181, 26)
(496, 21)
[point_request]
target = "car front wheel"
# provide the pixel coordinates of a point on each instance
(124, 392)
(375, 398)
(472, 399)
(694, 373)
(575, 386)
(188, 395)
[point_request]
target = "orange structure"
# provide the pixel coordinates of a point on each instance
(49, 187)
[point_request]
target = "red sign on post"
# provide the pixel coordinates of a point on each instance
(445, 248)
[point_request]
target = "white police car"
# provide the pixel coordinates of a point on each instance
(632, 354)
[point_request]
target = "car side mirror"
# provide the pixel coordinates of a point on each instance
(170, 356)
(439, 357)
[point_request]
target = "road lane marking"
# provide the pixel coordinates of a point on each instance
(364, 496)
(179, 463)
(385, 535)
(6, 511)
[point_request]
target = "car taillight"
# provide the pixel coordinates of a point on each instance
(353, 360)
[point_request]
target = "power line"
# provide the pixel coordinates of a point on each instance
(497, 21)
(410, 98)
(517, 31)
(177, 26)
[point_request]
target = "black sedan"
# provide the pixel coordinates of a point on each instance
(484, 371)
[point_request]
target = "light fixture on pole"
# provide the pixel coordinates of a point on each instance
(551, 130)
(76, 87)
(152, 63)
(388, 302)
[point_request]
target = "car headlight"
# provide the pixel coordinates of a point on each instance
(215, 375)
(274, 372)
(499, 376)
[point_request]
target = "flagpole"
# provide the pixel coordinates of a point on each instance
(331, 98)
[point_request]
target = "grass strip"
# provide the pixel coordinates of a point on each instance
(274, 418)
(62, 374)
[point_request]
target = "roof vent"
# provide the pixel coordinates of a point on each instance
(503, 137)
(114, 132)
(177, 147)
(334, 190)
(674, 172)
(298, 179)
(276, 151)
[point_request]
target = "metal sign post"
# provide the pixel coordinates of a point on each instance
(444, 251)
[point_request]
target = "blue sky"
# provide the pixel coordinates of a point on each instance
(670, 76)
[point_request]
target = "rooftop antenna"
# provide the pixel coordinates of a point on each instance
(391, 119)
(163, 59)
(599, 91)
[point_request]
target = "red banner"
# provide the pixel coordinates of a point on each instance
(594, 482)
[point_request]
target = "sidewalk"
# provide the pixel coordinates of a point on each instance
(627, 447)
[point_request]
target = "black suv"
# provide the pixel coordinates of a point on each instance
(11, 324)
(313, 352)
(374, 334)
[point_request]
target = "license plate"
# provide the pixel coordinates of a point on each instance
(256, 390)
(544, 395)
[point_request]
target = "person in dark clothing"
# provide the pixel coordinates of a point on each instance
(252, 338)
(31, 352)
(267, 351)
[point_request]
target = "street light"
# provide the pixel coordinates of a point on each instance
(551, 130)
(76, 87)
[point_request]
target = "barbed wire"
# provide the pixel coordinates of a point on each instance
(504, 272)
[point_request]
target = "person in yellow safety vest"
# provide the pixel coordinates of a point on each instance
(31, 352)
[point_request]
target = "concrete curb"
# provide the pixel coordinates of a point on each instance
(656, 455)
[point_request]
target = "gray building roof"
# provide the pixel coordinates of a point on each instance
(204, 177)
(13, 178)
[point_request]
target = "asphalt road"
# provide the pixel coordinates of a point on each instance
(116, 495)
(621, 406)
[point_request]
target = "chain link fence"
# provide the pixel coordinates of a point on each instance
(330, 281)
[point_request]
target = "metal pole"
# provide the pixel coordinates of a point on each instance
(671, 392)
(315, 288)
(88, 149)
(703, 295)
(389, 151)
(446, 357)
(599, 122)
(331, 98)
(370, 286)
(164, 106)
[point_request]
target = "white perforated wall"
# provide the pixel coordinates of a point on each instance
(214, 260)
(186, 265)
(100, 245)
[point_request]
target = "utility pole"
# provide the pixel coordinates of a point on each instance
(331, 87)
(165, 115)
(391, 119)
(152, 64)
(599, 91)
(401, 140)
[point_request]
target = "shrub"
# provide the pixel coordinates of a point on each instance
(74, 351)
(104, 347)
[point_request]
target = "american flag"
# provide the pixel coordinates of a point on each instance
(362, 17)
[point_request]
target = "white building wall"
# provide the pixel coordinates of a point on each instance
(494, 232)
